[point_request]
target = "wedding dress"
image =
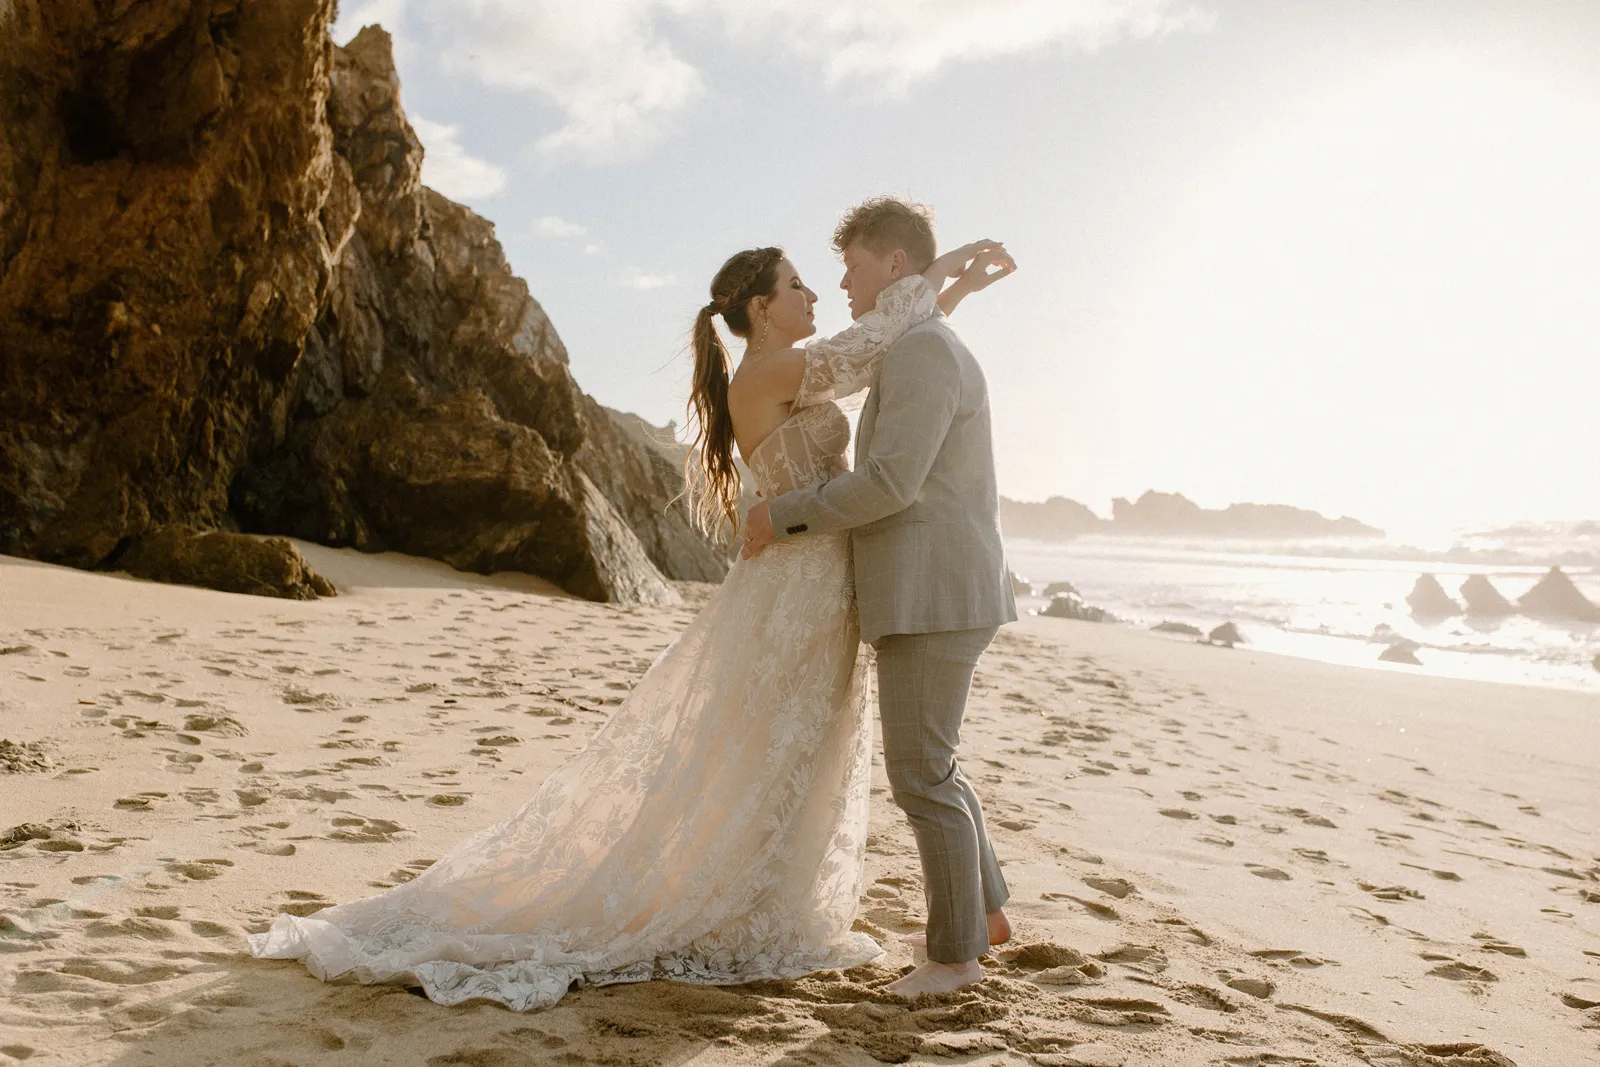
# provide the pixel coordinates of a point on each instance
(714, 829)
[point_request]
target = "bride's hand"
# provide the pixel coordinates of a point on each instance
(987, 267)
(954, 262)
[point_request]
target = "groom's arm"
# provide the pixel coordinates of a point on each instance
(919, 389)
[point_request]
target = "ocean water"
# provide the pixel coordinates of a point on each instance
(1330, 602)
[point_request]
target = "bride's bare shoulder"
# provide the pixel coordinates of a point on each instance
(775, 377)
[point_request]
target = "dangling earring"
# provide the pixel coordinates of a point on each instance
(766, 321)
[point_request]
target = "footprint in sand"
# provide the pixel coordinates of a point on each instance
(1093, 907)
(302, 903)
(1113, 887)
(1117, 1011)
(1259, 988)
(1490, 943)
(1456, 971)
(199, 870)
(1396, 893)
(354, 828)
(1271, 874)
(221, 725)
(1292, 956)
(1052, 964)
(1443, 876)
(140, 801)
(182, 762)
(1178, 813)
(410, 871)
(1145, 958)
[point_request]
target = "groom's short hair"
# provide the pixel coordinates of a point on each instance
(886, 223)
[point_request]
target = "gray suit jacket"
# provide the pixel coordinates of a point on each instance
(921, 503)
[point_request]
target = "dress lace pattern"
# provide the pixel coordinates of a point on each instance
(714, 829)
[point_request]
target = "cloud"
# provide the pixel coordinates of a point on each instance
(556, 226)
(897, 44)
(607, 66)
(612, 71)
(448, 168)
(644, 282)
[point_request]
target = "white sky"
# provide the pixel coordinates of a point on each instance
(1345, 256)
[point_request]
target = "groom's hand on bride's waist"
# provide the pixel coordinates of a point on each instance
(758, 532)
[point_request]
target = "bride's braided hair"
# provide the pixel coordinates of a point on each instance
(745, 276)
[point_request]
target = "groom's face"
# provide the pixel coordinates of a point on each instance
(866, 274)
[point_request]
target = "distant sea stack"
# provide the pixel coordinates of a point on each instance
(1483, 599)
(1173, 515)
(1428, 598)
(229, 304)
(1555, 596)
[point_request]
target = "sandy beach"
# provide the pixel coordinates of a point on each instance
(1217, 856)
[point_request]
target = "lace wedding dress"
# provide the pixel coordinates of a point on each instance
(713, 830)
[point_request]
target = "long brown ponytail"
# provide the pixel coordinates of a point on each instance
(743, 277)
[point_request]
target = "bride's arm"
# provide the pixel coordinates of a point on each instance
(848, 362)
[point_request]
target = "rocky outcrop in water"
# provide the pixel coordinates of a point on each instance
(1482, 599)
(1428, 598)
(1072, 606)
(1170, 627)
(1555, 596)
(227, 302)
(1226, 635)
(1402, 651)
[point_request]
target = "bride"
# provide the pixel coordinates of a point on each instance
(714, 829)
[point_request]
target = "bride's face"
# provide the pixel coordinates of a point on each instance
(791, 308)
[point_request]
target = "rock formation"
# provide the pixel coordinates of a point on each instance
(1483, 599)
(639, 468)
(1020, 586)
(1169, 627)
(1402, 651)
(1056, 588)
(230, 562)
(163, 251)
(1071, 606)
(1056, 519)
(1171, 515)
(1428, 598)
(1226, 635)
(1555, 596)
(226, 301)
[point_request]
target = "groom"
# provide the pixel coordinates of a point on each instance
(931, 582)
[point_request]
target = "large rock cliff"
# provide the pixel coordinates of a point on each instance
(227, 302)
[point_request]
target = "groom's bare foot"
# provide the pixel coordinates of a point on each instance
(934, 977)
(999, 931)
